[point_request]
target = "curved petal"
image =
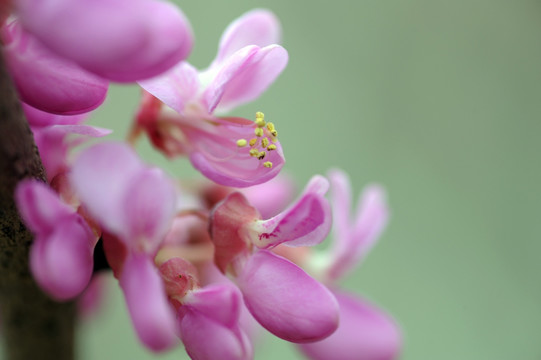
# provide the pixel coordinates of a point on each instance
(100, 175)
(151, 314)
(220, 302)
(38, 118)
(306, 223)
(257, 27)
(40, 207)
(53, 144)
(372, 216)
(176, 87)
(46, 81)
(62, 261)
(216, 155)
(365, 333)
(146, 208)
(287, 301)
(207, 339)
(135, 39)
(244, 77)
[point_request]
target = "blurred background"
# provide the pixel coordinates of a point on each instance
(437, 100)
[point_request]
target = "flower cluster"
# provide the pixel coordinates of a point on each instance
(210, 263)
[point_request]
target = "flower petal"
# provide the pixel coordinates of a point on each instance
(307, 222)
(244, 76)
(287, 301)
(365, 333)
(372, 216)
(271, 197)
(38, 118)
(46, 81)
(61, 261)
(220, 302)
(40, 207)
(257, 27)
(135, 39)
(146, 208)
(216, 155)
(206, 339)
(151, 314)
(176, 87)
(100, 175)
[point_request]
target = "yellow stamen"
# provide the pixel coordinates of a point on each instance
(259, 115)
(241, 142)
(258, 132)
(274, 133)
(271, 147)
(267, 164)
(254, 152)
(261, 155)
(270, 126)
(264, 142)
(253, 141)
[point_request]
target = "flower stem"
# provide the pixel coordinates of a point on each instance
(32, 325)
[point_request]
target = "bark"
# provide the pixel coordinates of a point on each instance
(32, 325)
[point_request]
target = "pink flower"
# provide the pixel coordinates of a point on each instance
(365, 332)
(230, 151)
(135, 205)
(46, 80)
(208, 317)
(54, 142)
(281, 296)
(120, 40)
(61, 255)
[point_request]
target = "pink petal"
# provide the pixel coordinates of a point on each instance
(46, 81)
(216, 155)
(53, 144)
(92, 298)
(307, 222)
(146, 208)
(61, 261)
(341, 207)
(220, 302)
(257, 27)
(372, 216)
(206, 339)
(244, 77)
(38, 118)
(40, 207)
(122, 40)
(100, 175)
(151, 314)
(287, 301)
(271, 197)
(365, 333)
(176, 88)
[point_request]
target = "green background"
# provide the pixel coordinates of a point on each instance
(437, 100)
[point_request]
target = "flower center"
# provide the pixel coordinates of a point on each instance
(263, 142)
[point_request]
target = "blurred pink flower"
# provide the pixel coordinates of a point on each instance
(365, 332)
(61, 254)
(135, 204)
(120, 40)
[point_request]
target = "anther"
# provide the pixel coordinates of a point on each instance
(274, 133)
(261, 155)
(264, 142)
(258, 132)
(270, 126)
(254, 152)
(253, 141)
(267, 164)
(271, 147)
(241, 142)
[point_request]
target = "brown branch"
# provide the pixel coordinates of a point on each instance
(33, 326)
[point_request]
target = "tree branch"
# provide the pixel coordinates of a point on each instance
(33, 326)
